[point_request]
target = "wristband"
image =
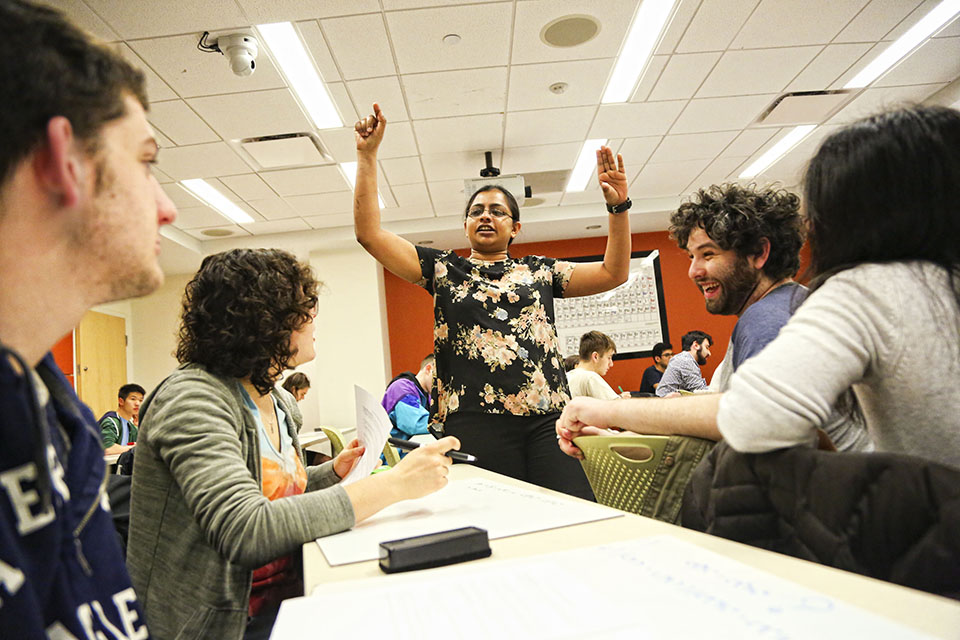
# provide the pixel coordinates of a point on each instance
(620, 208)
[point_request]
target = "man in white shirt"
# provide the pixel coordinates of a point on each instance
(596, 358)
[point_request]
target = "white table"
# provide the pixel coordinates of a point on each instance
(931, 614)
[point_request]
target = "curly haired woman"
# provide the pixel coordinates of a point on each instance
(222, 501)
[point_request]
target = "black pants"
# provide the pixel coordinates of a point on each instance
(522, 447)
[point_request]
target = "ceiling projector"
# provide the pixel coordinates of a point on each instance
(491, 175)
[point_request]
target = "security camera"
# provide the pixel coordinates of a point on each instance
(241, 50)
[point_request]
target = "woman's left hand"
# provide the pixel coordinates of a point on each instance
(348, 458)
(613, 179)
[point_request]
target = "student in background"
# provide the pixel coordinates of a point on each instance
(407, 401)
(662, 352)
(297, 384)
(222, 498)
(570, 362)
(500, 382)
(596, 358)
(118, 429)
(683, 371)
(80, 213)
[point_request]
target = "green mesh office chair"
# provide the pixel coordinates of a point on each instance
(391, 455)
(642, 474)
(336, 441)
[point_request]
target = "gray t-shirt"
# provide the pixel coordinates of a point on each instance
(889, 331)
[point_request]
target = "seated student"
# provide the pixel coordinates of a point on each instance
(221, 498)
(596, 358)
(880, 202)
(118, 429)
(407, 401)
(683, 371)
(662, 352)
(297, 384)
(570, 363)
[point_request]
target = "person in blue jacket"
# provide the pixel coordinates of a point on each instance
(407, 401)
(80, 213)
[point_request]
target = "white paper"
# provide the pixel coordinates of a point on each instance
(657, 587)
(373, 428)
(502, 509)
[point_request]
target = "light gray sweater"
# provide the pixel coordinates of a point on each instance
(199, 522)
(889, 330)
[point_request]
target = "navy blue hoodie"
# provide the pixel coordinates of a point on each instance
(62, 574)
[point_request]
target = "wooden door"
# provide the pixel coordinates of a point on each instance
(101, 360)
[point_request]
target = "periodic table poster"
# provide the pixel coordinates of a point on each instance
(633, 314)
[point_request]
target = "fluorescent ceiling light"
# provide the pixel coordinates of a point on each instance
(349, 171)
(645, 30)
(928, 25)
(586, 163)
(202, 191)
(288, 50)
(774, 153)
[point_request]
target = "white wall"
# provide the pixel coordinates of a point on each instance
(153, 339)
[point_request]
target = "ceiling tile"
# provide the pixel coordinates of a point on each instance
(683, 75)
(328, 222)
(248, 186)
(398, 141)
(276, 226)
(613, 16)
(717, 172)
(322, 204)
(265, 11)
(748, 141)
(149, 19)
(950, 30)
(81, 15)
(201, 161)
(317, 45)
(340, 97)
(693, 146)
(232, 228)
(395, 5)
(720, 114)
(372, 58)
(456, 166)
(651, 75)
(874, 100)
(447, 192)
(413, 195)
(636, 152)
(682, 17)
(161, 177)
(484, 30)
(464, 92)
(199, 216)
(544, 157)
(163, 141)
(549, 126)
(530, 84)
(405, 213)
(876, 20)
(460, 134)
(921, 9)
(157, 89)
(399, 171)
(295, 182)
(637, 120)
(827, 66)
(715, 25)
(249, 115)
(273, 207)
(667, 179)
(180, 197)
(788, 170)
(936, 60)
(194, 73)
(756, 71)
(384, 91)
(591, 195)
(775, 23)
(179, 123)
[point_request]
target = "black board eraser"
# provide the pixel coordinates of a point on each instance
(434, 549)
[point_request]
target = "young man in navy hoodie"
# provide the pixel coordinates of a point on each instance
(80, 214)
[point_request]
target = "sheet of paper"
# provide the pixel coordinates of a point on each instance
(502, 509)
(657, 587)
(373, 428)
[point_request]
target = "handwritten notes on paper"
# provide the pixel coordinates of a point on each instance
(657, 587)
(502, 509)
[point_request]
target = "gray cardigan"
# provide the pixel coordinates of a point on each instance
(199, 522)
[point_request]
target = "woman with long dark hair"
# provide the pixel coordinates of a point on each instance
(222, 501)
(500, 379)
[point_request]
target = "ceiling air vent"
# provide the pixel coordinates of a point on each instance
(803, 107)
(285, 150)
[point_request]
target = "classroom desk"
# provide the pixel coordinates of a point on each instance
(931, 614)
(111, 459)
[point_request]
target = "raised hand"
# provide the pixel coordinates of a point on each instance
(613, 179)
(368, 131)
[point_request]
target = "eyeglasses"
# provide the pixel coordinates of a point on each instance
(495, 212)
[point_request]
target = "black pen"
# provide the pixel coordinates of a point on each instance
(407, 445)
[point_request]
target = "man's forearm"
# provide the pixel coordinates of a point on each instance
(688, 416)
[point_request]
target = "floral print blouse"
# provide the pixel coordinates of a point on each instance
(494, 337)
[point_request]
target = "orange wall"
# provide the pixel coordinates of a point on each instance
(63, 356)
(410, 308)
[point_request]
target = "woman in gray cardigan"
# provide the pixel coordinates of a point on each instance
(221, 499)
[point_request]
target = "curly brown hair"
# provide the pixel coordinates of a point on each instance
(739, 217)
(240, 310)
